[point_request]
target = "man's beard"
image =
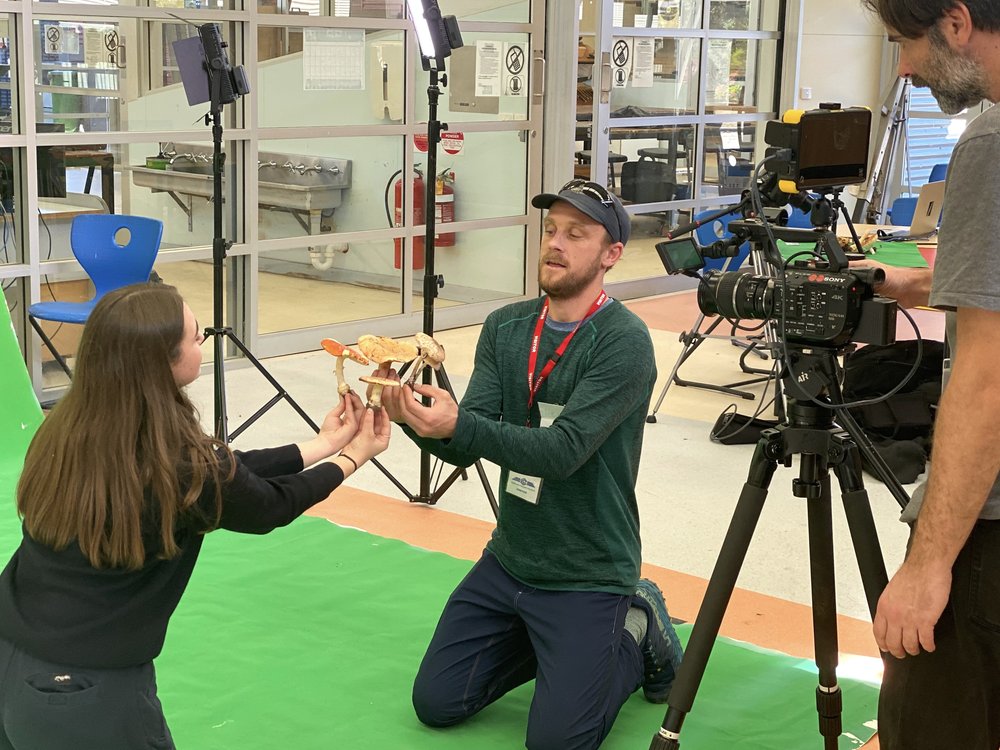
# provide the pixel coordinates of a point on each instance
(571, 283)
(959, 82)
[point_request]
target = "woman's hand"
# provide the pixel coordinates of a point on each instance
(337, 430)
(372, 436)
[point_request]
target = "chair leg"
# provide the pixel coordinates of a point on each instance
(50, 346)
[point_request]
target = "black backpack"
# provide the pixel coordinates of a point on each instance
(900, 427)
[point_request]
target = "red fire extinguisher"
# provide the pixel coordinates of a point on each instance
(444, 208)
(444, 213)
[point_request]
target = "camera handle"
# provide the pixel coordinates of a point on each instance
(810, 433)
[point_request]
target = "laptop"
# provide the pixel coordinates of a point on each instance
(926, 214)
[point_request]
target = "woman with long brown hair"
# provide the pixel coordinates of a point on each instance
(119, 487)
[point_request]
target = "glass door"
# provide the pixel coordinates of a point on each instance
(672, 97)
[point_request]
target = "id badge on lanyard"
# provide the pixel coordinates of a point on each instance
(525, 486)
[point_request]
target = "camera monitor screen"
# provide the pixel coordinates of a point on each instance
(833, 147)
(680, 255)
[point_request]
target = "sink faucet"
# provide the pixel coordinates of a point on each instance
(317, 169)
(262, 164)
(175, 157)
(300, 168)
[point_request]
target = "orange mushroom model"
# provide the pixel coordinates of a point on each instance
(342, 352)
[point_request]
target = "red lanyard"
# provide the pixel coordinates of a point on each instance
(533, 383)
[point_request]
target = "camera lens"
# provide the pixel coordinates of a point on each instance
(737, 295)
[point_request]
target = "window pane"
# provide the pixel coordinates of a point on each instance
(330, 284)
(8, 75)
(298, 89)
(648, 14)
(744, 15)
(187, 4)
(12, 161)
(481, 265)
(463, 100)
(658, 162)
(640, 260)
(740, 75)
(324, 185)
(730, 155)
(674, 87)
(487, 10)
(173, 182)
(117, 76)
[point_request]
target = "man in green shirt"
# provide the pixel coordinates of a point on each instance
(558, 400)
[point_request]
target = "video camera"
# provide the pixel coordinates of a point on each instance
(820, 302)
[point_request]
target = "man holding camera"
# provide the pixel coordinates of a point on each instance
(558, 398)
(939, 617)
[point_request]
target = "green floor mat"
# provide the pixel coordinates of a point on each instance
(310, 637)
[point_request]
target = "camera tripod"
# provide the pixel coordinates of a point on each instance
(808, 431)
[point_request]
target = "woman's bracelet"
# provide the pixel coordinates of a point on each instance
(344, 455)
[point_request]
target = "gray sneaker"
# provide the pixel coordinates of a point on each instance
(661, 648)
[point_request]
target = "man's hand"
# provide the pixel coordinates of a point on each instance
(910, 287)
(910, 607)
(391, 397)
(435, 421)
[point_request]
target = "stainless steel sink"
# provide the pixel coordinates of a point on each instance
(190, 167)
(288, 181)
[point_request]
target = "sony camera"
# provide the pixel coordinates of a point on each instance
(822, 302)
(819, 307)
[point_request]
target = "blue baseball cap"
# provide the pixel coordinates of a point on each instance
(593, 200)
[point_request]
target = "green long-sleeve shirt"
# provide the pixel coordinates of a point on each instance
(584, 531)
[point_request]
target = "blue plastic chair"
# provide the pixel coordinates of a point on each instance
(938, 173)
(108, 264)
(719, 230)
(901, 213)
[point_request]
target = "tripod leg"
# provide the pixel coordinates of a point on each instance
(814, 478)
(219, 365)
(719, 591)
(692, 341)
(861, 524)
(282, 393)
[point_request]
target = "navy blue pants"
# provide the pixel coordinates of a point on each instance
(45, 706)
(950, 698)
(497, 633)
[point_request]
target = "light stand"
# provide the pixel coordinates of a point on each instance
(225, 85)
(437, 36)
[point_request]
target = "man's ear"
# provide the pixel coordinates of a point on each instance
(612, 254)
(956, 25)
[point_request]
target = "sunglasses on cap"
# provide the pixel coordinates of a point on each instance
(595, 191)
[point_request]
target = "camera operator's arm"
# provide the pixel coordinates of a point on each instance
(910, 287)
(965, 465)
(612, 389)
